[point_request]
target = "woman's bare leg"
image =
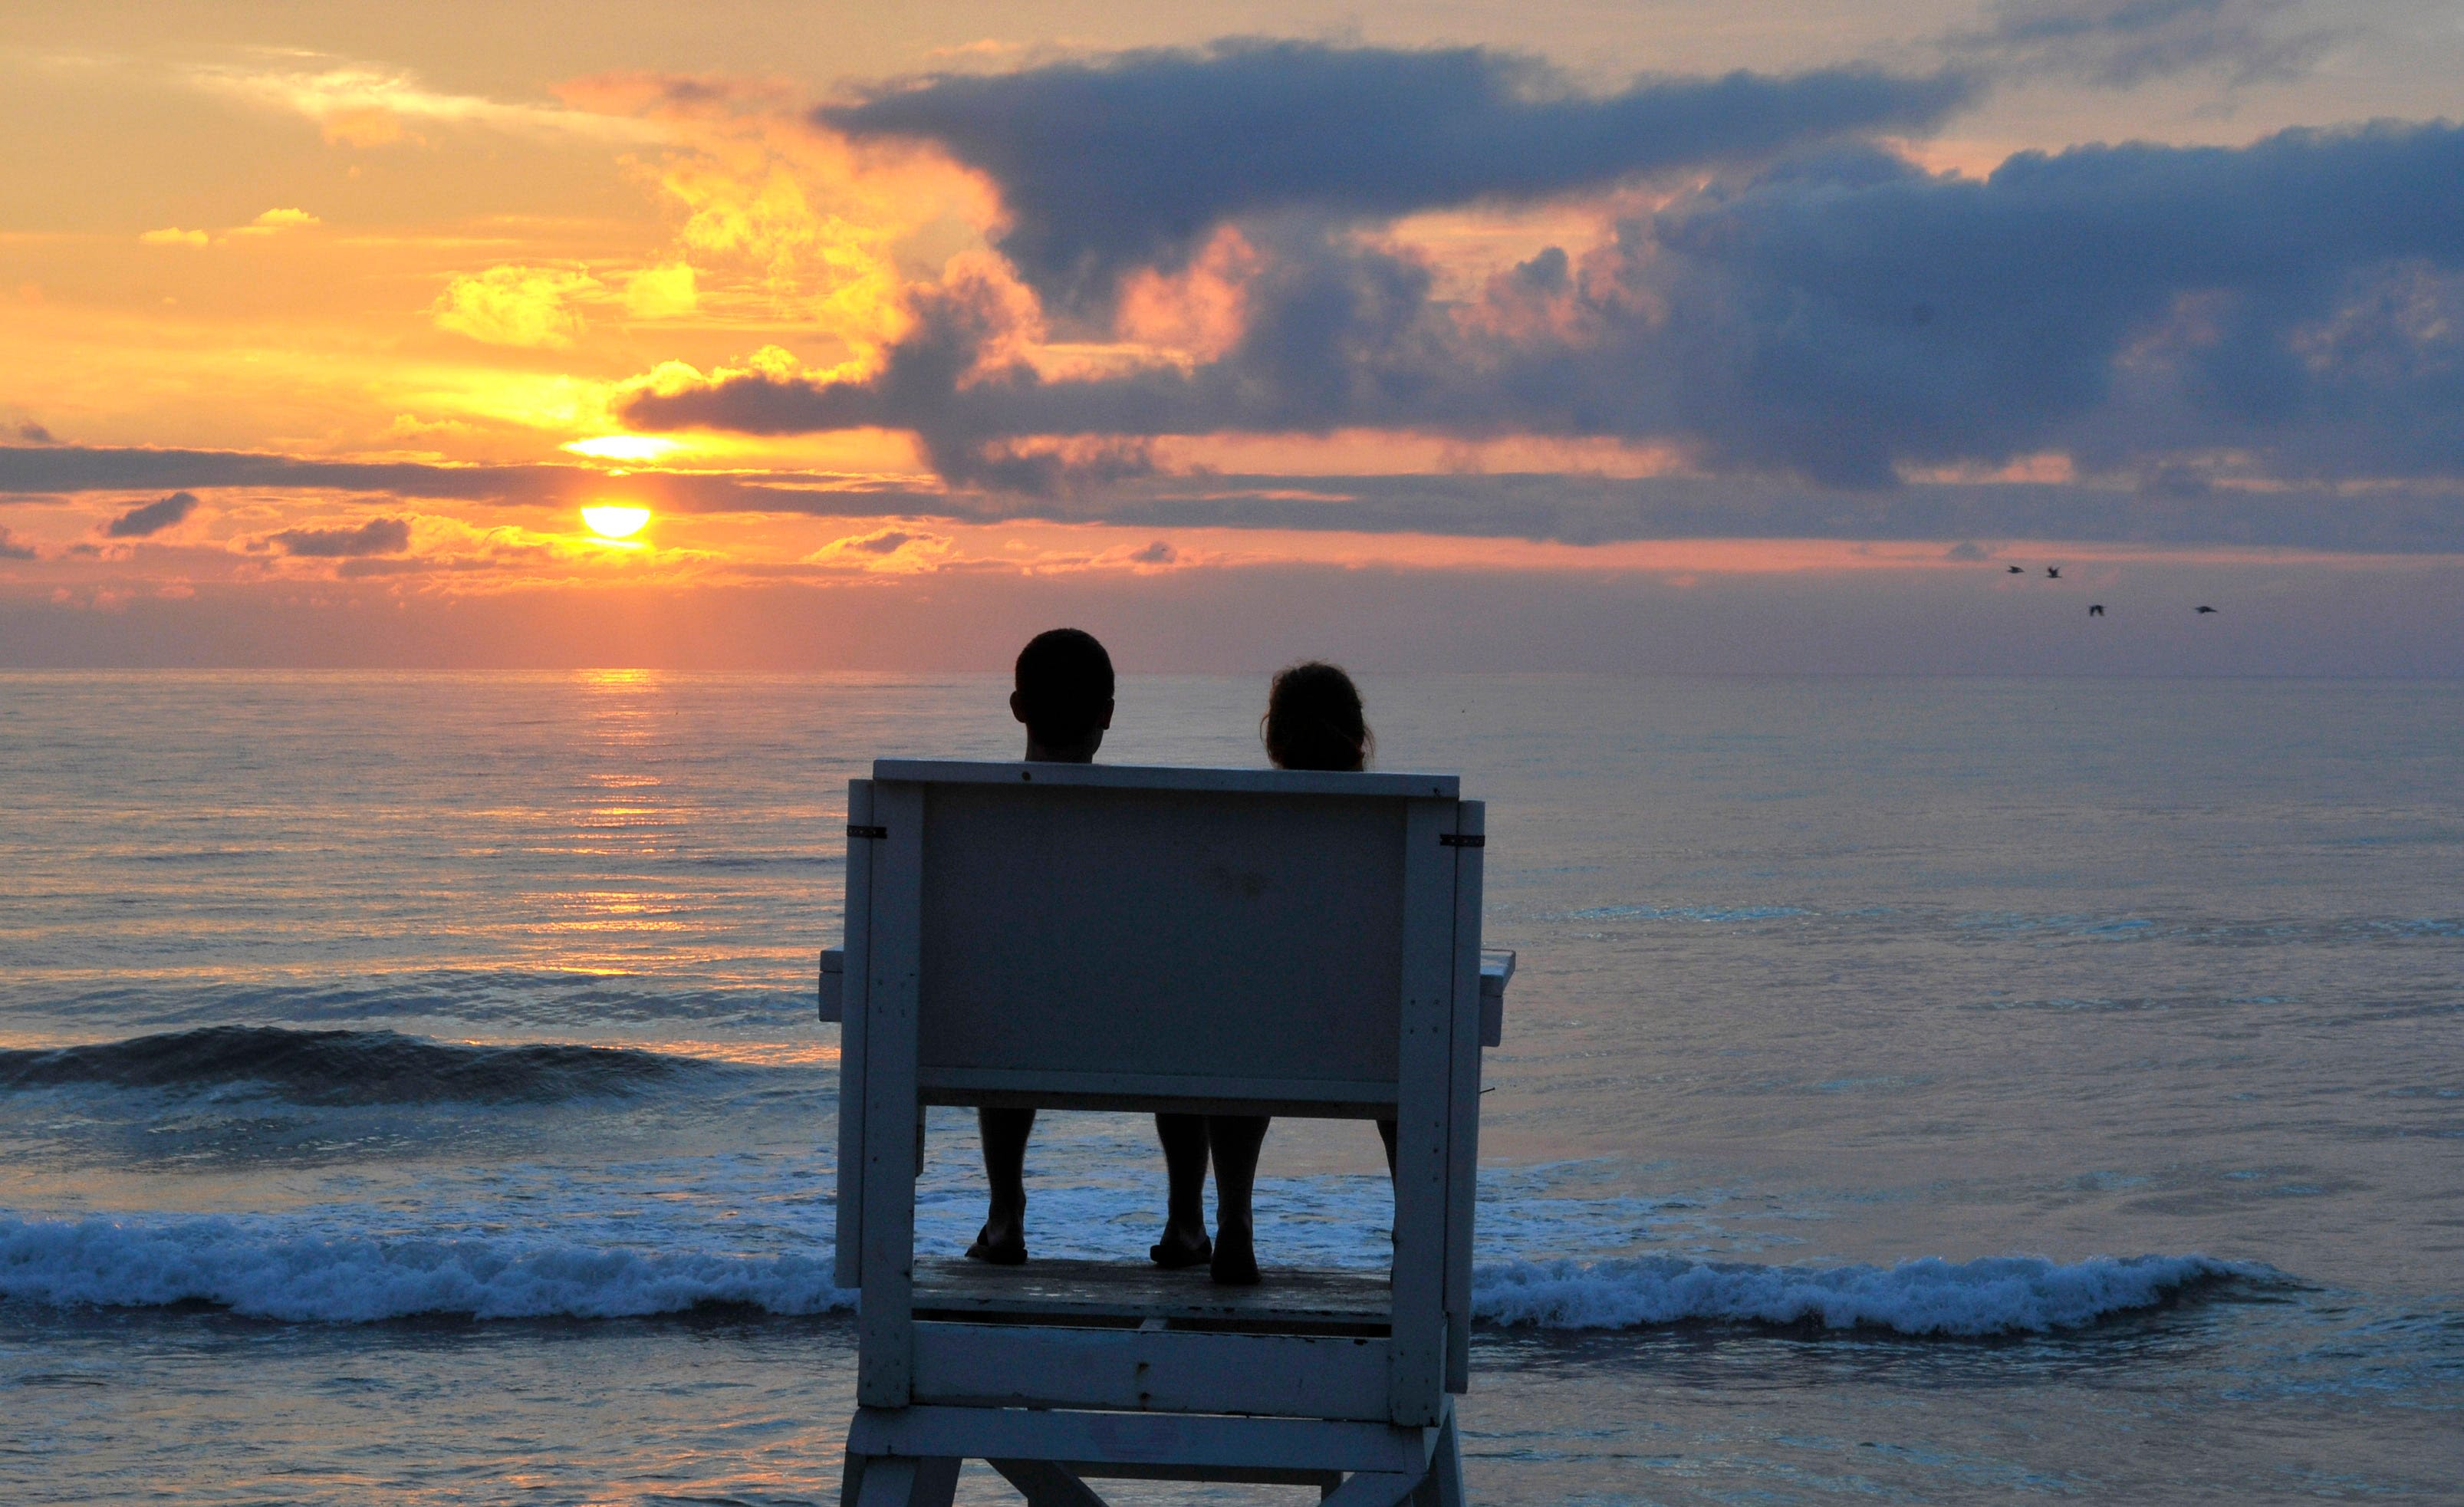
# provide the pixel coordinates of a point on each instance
(1184, 1241)
(1002, 1241)
(1234, 1140)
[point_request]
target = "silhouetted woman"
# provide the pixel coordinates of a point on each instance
(1313, 722)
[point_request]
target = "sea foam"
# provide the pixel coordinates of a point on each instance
(267, 1272)
(271, 1270)
(1999, 1295)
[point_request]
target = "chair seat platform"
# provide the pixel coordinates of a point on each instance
(1123, 1292)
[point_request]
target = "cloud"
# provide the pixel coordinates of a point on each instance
(1134, 161)
(152, 518)
(2426, 518)
(276, 221)
(272, 222)
(900, 549)
(888, 541)
(28, 471)
(2121, 43)
(34, 433)
(659, 293)
(10, 549)
(378, 536)
(2293, 309)
(365, 106)
(514, 305)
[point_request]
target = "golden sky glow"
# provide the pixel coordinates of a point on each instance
(442, 238)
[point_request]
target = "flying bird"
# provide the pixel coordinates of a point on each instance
(2053, 572)
(2017, 571)
(2203, 609)
(2096, 611)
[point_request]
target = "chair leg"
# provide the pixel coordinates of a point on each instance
(894, 1480)
(1445, 1480)
(1370, 1488)
(1044, 1484)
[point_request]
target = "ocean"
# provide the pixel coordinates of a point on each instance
(1928, 1090)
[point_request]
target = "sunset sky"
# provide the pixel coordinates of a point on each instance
(1569, 336)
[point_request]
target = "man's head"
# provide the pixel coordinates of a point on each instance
(1064, 696)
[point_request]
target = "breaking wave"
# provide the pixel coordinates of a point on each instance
(274, 1273)
(2000, 1294)
(346, 1067)
(266, 1269)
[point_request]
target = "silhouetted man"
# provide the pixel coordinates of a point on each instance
(1063, 692)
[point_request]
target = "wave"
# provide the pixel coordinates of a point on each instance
(1691, 913)
(271, 1273)
(538, 998)
(1997, 1296)
(264, 1267)
(346, 1067)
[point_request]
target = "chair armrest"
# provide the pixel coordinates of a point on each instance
(1495, 970)
(833, 974)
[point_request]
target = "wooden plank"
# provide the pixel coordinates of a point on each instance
(1044, 1484)
(828, 993)
(1021, 1365)
(1143, 1290)
(1060, 925)
(1250, 1475)
(1445, 1465)
(1186, 1441)
(1418, 1358)
(1372, 1488)
(884, 1325)
(906, 1483)
(1462, 1133)
(1496, 972)
(1333, 1098)
(1165, 777)
(849, 1259)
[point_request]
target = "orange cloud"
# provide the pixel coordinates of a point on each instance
(514, 305)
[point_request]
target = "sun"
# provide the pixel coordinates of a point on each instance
(615, 522)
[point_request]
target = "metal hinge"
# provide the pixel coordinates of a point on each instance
(872, 834)
(1463, 840)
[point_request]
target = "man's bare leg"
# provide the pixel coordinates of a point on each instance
(1002, 1241)
(1184, 1241)
(1234, 1140)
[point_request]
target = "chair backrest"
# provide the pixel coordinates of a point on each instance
(1132, 938)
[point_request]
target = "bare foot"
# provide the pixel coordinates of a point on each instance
(1235, 1263)
(1179, 1248)
(1001, 1245)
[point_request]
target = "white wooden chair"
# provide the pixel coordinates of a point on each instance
(1123, 938)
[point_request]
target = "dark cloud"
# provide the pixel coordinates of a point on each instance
(2287, 301)
(1131, 162)
(81, 468)
(2120, 43)
(34, 433)
(2159, 506)
(2295, 304)
(1595, 509)
(10, 549)
(378, 536)
(152, 518)
(25, 472)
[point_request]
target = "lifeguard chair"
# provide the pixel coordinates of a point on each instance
(1123, 938)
